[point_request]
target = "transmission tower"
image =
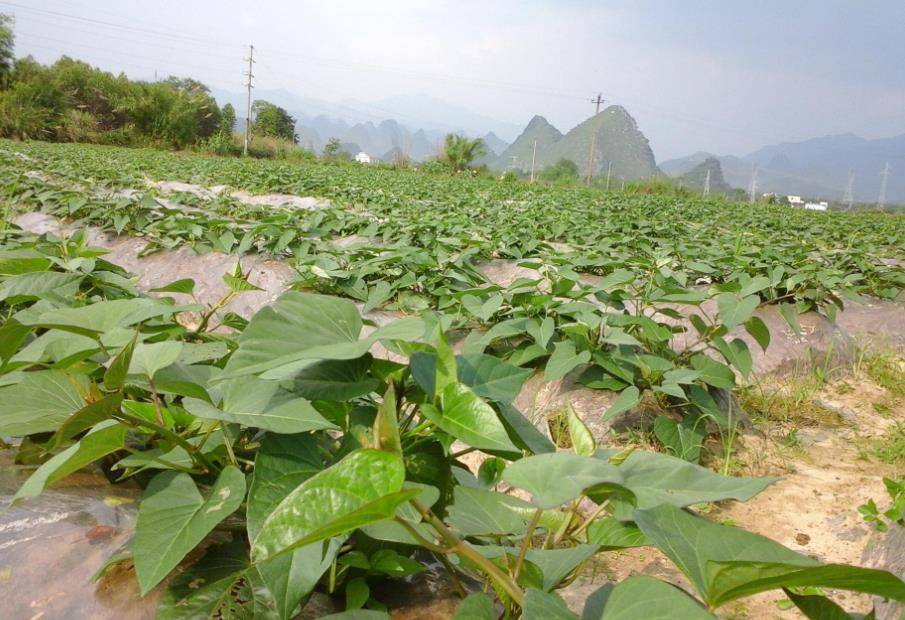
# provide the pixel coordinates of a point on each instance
(707, 184)
(885, 174)
(848, 199)
(752, 188)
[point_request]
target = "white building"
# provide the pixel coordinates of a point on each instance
(363, 158)
(795, 200)
(817, 206)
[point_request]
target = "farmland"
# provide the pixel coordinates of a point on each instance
(312, 447)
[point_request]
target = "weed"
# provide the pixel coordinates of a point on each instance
(790, 404)
(558, 423)
(891, 448)
(886, 370)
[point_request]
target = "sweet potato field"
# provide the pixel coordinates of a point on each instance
(363, 428)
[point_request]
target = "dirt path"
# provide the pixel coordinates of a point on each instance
(827, 472)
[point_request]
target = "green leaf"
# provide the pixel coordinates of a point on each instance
(445, 365)
(476, 606)
(611, 533)
(40, 402)
(540, 605)
(336, 379)
(734, 311)
(712, 372)
(220, 585)
(617, 336)
(147, 359)
(644, 597)
(16, 262)
(816, 607)
(105, 438)
(391, 563)
(490, 471)
(682, 439)
(541, 331)
(300, 328)
(469, 419)
(491, 377)
(556, 478)
(790, 313)
(102, 316)
(364, 487)
(557, 564)
(86, 417)
(282, 463)
(694, 544)
(386, 423)
(657, 478)
(51, 285)
(185, 285)
(480, 512)
(759, 331)
(734, 579)
(377, 294)
(115, 375)
(261, 404)
(583, 443)
(357, 593)
(628, 398)
(564, 360)
(12, 335)
(736, 353)
(523, 433)
(196, 352)
(239, 283)
(174, 517)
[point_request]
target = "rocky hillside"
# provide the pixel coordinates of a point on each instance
(618, 141)
(697, 177)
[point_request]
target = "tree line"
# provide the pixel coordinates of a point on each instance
(71, 101)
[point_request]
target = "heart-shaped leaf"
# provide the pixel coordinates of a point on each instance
(174, 517)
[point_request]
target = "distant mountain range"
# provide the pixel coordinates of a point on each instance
(816, 168)
(697, 177)
(619, 146)
(371, 127)
(414, 126)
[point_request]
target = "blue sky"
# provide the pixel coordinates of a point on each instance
(726, 77)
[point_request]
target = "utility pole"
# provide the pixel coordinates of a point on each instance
(609, 170)
(847, 199)
(707, 184)
(248, 86)
(885, 174)
(596, 101)
(752, 190)
(533, 158)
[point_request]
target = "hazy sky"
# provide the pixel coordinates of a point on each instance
(726, 77)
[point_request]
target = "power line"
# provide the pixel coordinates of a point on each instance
(187, 47)
(168, 35)
(63, 51)
(172, 37)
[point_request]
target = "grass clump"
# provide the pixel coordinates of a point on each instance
(891, 448)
